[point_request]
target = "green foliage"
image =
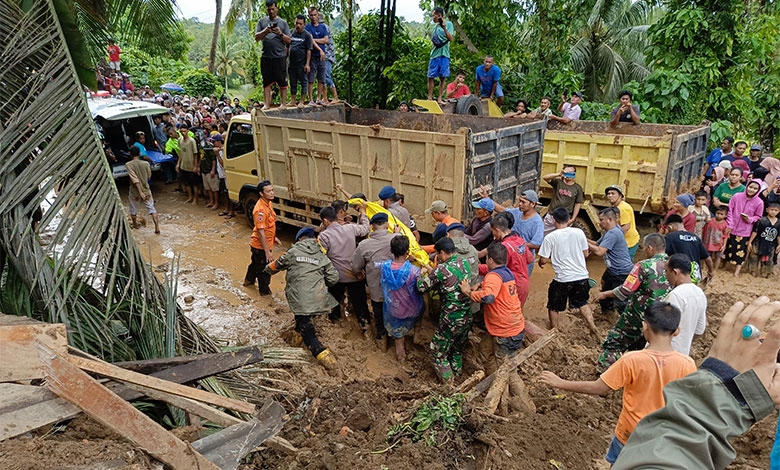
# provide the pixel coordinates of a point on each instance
(437, 417)
(407, 75)
(595, 111)
(152, 71)
(365, 59)
(200, 83)
(256, 95)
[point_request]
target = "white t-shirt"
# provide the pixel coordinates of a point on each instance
(692, 302)
(220, 169)
(565, 247)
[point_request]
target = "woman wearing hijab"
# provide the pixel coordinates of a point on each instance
(745, 209)
(680, 207)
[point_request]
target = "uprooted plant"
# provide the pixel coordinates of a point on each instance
(433, 422)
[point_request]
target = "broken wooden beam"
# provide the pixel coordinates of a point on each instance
(25, 408)
(521, 357)
(191, 406)
(68, 381)
(227, 447)
(17, 347)
(117, 373)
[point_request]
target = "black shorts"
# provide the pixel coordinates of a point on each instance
(274, 70)
(575, 293)
(297, 75)
(190, 178)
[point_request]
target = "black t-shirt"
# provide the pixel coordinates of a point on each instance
(688, 244)
(754, 164)
(766, 237)
(300, 43)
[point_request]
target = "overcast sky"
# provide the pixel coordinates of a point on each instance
(204, 9)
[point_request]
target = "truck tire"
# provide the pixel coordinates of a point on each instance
(581, 223)
(248, 202)
(470, 105)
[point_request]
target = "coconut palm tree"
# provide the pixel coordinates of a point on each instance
(228, 59)
(611, 44)
(215, 36)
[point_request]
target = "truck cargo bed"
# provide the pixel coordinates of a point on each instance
(426, 157)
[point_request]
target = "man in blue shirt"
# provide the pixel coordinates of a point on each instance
(717, 154)
(612, 246)
(439, 63)
(528, 223)
(320, 34)
(488, 75)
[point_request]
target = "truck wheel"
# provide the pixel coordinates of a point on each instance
(470, 105)
(585, 226)
(248, 203)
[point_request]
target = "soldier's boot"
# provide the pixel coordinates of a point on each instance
(327, 359)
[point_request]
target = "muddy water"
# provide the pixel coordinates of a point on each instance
(214, 256)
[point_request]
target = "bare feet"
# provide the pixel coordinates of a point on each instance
(157, 231)
(188, 200)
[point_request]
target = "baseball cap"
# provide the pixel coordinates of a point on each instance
(436, 206)
(616, 187)
(216, 138)
(484, 203)
(530, 195)
(578, 94)
(755, 147)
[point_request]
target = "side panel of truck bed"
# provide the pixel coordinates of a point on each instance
(306, 158)
(687, 160)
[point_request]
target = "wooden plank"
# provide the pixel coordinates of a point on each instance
(67, 381)
(25, 408)
(117, 373)
(148, 366)
(227, 447)
(17, 348)
(517, 360)
(195, 407)
(53, 409)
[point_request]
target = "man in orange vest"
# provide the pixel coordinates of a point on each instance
(263, 239)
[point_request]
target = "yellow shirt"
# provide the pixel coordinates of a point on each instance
(627, 217)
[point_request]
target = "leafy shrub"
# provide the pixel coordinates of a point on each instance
(200, 83)
(153, 71)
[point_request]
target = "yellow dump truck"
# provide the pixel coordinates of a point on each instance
(306, 152)
(651, 161)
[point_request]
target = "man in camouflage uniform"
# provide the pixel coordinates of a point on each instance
(455, 318)
(644, 285)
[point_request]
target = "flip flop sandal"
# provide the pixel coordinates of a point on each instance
(229, 216)
(222, 214)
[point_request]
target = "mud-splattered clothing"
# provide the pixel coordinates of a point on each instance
(645, 284)
(455, 316)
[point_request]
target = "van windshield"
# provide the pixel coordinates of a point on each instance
(240, 140)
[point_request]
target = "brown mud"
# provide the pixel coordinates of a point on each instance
(341, 422)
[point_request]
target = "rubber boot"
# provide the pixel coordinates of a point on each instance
(327, 359)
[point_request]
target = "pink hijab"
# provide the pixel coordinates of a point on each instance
(773, 165)
(720, 173)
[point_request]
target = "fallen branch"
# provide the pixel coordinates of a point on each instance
(516, 361)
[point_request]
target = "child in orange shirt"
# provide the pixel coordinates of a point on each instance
(641, 374)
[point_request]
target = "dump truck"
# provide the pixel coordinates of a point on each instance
(653, 162)
(306, 152)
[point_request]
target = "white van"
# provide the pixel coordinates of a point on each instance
(118, 120)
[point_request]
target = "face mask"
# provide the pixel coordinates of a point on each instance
(569, 175)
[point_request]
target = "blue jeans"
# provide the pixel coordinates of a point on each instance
(328, 74)
(614, 450)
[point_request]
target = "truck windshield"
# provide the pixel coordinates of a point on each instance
(240, 141)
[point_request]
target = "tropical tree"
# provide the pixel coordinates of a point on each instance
(88, 24)
(227, 59)
(215, 36)
(610, 47)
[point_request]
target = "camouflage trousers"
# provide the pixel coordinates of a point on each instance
(449, 341)
(625, 335)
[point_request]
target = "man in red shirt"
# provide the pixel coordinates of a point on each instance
(518, 254)
(113, 55)
(458, 88)
(263, 239)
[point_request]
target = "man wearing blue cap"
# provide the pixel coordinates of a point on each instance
(478, 232)
(368, 257)
(309, 273)
(390, 201)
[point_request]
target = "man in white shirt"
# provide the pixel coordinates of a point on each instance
(687, 297)
(570, 110)
(566, 248)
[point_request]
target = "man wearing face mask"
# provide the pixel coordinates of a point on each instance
(566, 194)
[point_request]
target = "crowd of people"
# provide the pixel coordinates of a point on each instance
(480, 271)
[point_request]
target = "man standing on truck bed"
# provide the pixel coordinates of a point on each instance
(488, 74)
(275, 34)
(263, 239)
(626, 221)
(566, 194)
(439, 63)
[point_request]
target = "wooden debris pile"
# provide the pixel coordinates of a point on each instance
(72, 382)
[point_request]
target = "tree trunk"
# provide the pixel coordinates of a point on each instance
(388, 41)
(766, 134)
(462, 34)
(349, 55)
(215, 37)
